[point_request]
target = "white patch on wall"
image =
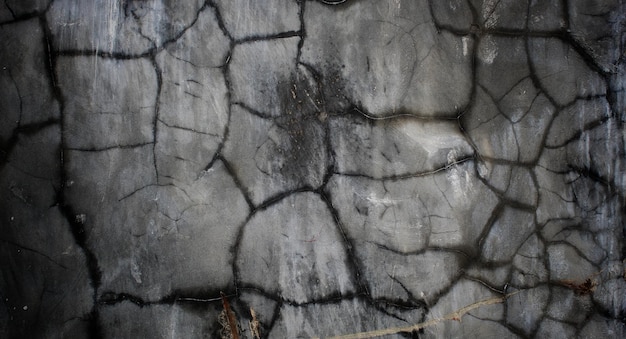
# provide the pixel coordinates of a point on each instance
(459, 179)
(466, 41)
(135, 272)
(488, 50)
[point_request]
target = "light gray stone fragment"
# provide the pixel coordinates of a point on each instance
(192, 97)
(501, 14)
(554, 329)
(546, 15)
(575, 119)
(562, 72)
(515, 183)
(597, 149)
(112, 26)
(596, 25)
(584, 241)
(556, 199)
(181, 154)
(481, 120)
(530, 264)
(517, 102)
(192, 118)
(202, 45)
(275, 156)
(498, 55)
(422, 276)
(110, 178)
(301, 256)
(109, 102)
(395, 69)
(456, 14)
(397, 147)
(610, 294)
(248, 19)
(262, 73)
(532, 127)
(522, 187)
(376, 211)
(513, 227)
(525, 309)
(567, 306)
(170, 239)
(411, 214)
(567, 265)
(601, 327)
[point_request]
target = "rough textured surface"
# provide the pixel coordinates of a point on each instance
(312, 168)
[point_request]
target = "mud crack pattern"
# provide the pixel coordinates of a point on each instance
(312, 168)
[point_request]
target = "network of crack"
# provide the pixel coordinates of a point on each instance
(334, 166)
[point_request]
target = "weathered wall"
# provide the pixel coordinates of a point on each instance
(335, 166)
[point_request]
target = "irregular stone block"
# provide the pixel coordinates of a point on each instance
(245, 19)
(395, 69)
(118, 27)
(302, 256)
(109, 103)
(275, 156)
(395, 148)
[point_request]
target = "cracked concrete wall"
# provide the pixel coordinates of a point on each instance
(334, 166)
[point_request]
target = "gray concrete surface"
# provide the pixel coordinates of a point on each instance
(331, 167)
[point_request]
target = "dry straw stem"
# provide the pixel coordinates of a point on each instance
(456, 315)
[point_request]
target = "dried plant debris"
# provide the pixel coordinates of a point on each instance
(228, 321)
(584, 288)
(456, 315)
(254, 325)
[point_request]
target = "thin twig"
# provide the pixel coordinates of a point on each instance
(456, 315)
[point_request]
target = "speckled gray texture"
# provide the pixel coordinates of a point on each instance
(331, 167)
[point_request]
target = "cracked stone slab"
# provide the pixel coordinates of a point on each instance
(300, 263)
(274, 156)
(312, 168)
(395, 148)
(191, 227)
(413, 214)
(393, 70)
(128, 108)
(118, 27)
(240, 17)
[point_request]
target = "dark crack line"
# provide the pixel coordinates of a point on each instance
(348, 244)
(257, 38)
(187, 129)
(399, 177)
(110, 298)
(34, 251)
(109, 148)
(7, 147)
